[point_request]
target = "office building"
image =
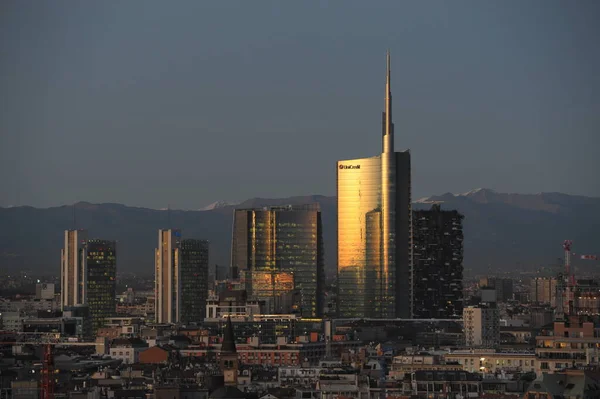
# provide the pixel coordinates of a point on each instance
(101, 280)
(438, 264)
(194, 280)
(181, 278)
(74, 268)
(482, 326)
(374, 229)
(278, 252)
(168, 286)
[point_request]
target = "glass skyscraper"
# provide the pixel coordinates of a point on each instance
(278, 251)
(181, 278)
(101, 280)
(88, 275)
(374, 229)
(194, 280)
(73, 268)
(167, 284)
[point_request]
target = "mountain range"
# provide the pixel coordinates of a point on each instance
(509, 231)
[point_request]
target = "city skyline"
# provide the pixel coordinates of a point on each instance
(466, 102)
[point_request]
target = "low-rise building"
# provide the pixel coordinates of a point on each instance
(567, 384)
(127, 349)
(406, 364)
(571, 343)
(492, 361)
(442, 384)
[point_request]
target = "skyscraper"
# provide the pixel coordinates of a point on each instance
(74, 268)
(168, 286)
(374, 229)
(101, 280)
(278, 251)
(438, 264)
(194, 280)
(181, 278)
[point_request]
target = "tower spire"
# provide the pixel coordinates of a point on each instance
(388, 126)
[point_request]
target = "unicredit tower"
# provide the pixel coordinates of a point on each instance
(374, 229)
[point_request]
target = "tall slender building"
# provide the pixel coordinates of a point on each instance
(168, 285)
(74, 268)
(374, 229)
(278, 251)
(88, 275)
(101, 280)
(194, 280)
(438, 264)
(181, 278)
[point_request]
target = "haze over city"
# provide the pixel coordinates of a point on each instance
(188, 103)
(299, 200)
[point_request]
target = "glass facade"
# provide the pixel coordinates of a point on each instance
(374, 229)
(278, 250)
(194, 280)
(73, 268)
(167, 282)
(359, 235)
(101, 280)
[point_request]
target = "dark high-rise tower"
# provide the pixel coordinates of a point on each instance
(88, 275)
(374, 229)
(181, 278)
(194, 280)
(279, 253)
(438, 264)
(101, 280)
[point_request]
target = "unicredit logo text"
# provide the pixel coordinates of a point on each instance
(349, 166)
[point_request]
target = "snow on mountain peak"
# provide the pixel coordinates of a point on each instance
(219, 204)
(475, 191)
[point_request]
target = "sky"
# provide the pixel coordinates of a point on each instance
(150, 103)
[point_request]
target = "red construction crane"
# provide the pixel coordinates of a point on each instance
(47, 391)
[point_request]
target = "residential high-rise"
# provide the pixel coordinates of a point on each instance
(482, 326)
(74, 268)
(194, 280)
(278, 251)
(168, 285)
(374, 229)
(101, 280)
(438, 264)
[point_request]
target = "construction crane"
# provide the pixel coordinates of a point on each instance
(569, 281)
(47, 391)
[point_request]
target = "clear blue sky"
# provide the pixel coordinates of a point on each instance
(154, 102)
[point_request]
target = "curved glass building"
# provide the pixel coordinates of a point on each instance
(374, 229)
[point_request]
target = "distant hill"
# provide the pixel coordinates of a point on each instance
(501, 230)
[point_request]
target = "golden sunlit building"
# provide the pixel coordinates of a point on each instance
(374, 230)
(278, 252)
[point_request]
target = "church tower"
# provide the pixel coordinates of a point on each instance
(228, 358)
